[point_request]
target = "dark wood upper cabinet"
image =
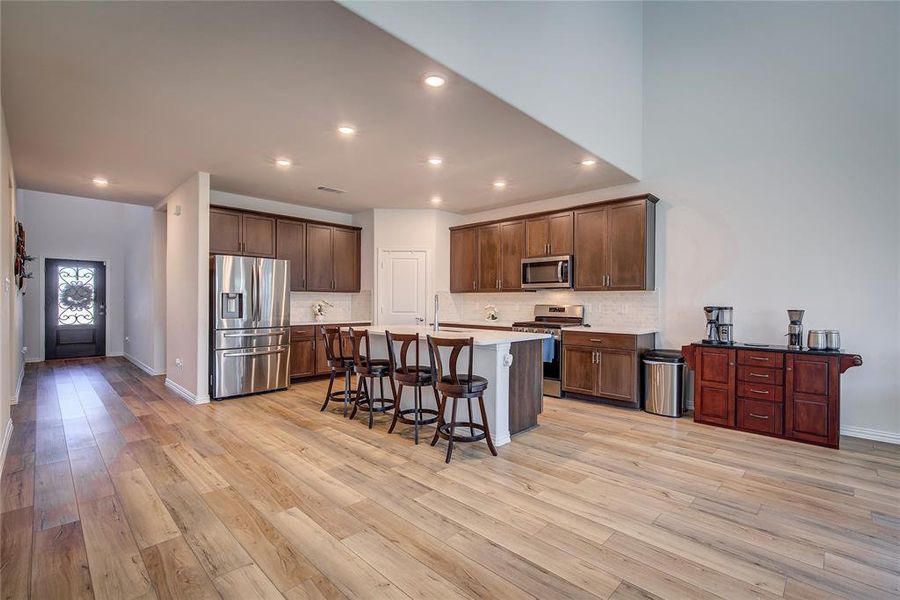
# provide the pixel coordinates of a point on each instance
(224, 231)
(462, 260)
(345, 250)
(628, 248)
(512, 251)
(549, 235)
(615, 246)
(290, 245)
(319, 257)
(488, 245)
(258, 235)
(591, 247)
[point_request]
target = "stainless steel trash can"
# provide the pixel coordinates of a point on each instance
(664, 382)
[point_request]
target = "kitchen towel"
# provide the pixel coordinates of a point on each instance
(549, 350)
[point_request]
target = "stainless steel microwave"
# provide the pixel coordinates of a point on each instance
(546, 272)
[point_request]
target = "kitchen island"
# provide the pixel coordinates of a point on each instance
(511, 362)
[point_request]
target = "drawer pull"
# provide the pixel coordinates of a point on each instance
(762, 358)
(755, 416)
(759, 391)
(596, 340)
(759, 375)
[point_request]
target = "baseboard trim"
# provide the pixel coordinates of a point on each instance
(19, 379)
(7, 435)
(143, 366)
(871, 434)
(187, 395)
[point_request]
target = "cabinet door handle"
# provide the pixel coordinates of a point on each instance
(755, 416)
(766, 392)
(759, 375)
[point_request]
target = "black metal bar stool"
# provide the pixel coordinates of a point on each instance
(367, 369)
(339, 364)
(413, 375)
(455, 385)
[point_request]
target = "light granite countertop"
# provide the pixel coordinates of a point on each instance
(482, 337)
(612, 329)
(301, 322)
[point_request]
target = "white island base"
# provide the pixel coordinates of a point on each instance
(509, 360)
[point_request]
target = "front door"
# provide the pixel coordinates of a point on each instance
(402, 287)
(75, 315)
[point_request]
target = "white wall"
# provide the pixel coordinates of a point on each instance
(425, 229)
(60, 226)
(187, 288)
(228, 199)
(10, 357)
(144, 275)
(771, 137)
(573, 66)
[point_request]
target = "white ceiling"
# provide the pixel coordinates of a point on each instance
(145, 93)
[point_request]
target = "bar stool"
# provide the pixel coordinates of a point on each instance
(455, 385)
(415, 375)
(368, 369)
(339, 364)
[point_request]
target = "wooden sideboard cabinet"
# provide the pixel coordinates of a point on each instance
(770, 390)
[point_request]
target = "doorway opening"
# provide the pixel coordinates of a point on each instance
(75, 308)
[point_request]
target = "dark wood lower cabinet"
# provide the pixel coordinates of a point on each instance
(303, 352)
(783, 393)
(602, 366)
(308, 357)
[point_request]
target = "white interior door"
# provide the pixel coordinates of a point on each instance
(402, 287)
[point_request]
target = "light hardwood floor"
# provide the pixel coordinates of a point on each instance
(115, 488)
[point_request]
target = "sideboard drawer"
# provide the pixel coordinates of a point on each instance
(760, 391)
(759, 416)
(760, 359)
(761, 375)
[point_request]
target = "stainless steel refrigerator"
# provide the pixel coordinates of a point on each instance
(250, 325)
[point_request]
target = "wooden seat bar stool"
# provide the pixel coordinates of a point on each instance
(367, 370)
(451, 384)
(411, 374)
(340, 364)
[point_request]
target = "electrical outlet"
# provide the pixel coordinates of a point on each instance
(127, 339)
(24, 349)
(179, 364)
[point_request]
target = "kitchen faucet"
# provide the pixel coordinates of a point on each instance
(437, 309)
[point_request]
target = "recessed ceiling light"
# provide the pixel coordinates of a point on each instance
(435, 160)
(100, 181)
(346, 129)
(435, 199)
(499, 184)
(588, 162)
(283, 162)
(434, 81)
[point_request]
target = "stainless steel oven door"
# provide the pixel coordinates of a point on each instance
(250, 370)
(547, 272)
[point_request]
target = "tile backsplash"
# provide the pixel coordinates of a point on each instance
(347, 307)
(613, 309)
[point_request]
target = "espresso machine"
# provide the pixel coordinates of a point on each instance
(719, 324)
(795, 329)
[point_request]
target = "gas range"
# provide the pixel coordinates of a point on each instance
(550, 319)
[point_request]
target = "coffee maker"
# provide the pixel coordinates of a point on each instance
(719, 324)
(795, 329)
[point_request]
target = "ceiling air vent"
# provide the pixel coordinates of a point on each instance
(330, 190)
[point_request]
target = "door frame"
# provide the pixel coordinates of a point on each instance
(429, 283)
(42, 259)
